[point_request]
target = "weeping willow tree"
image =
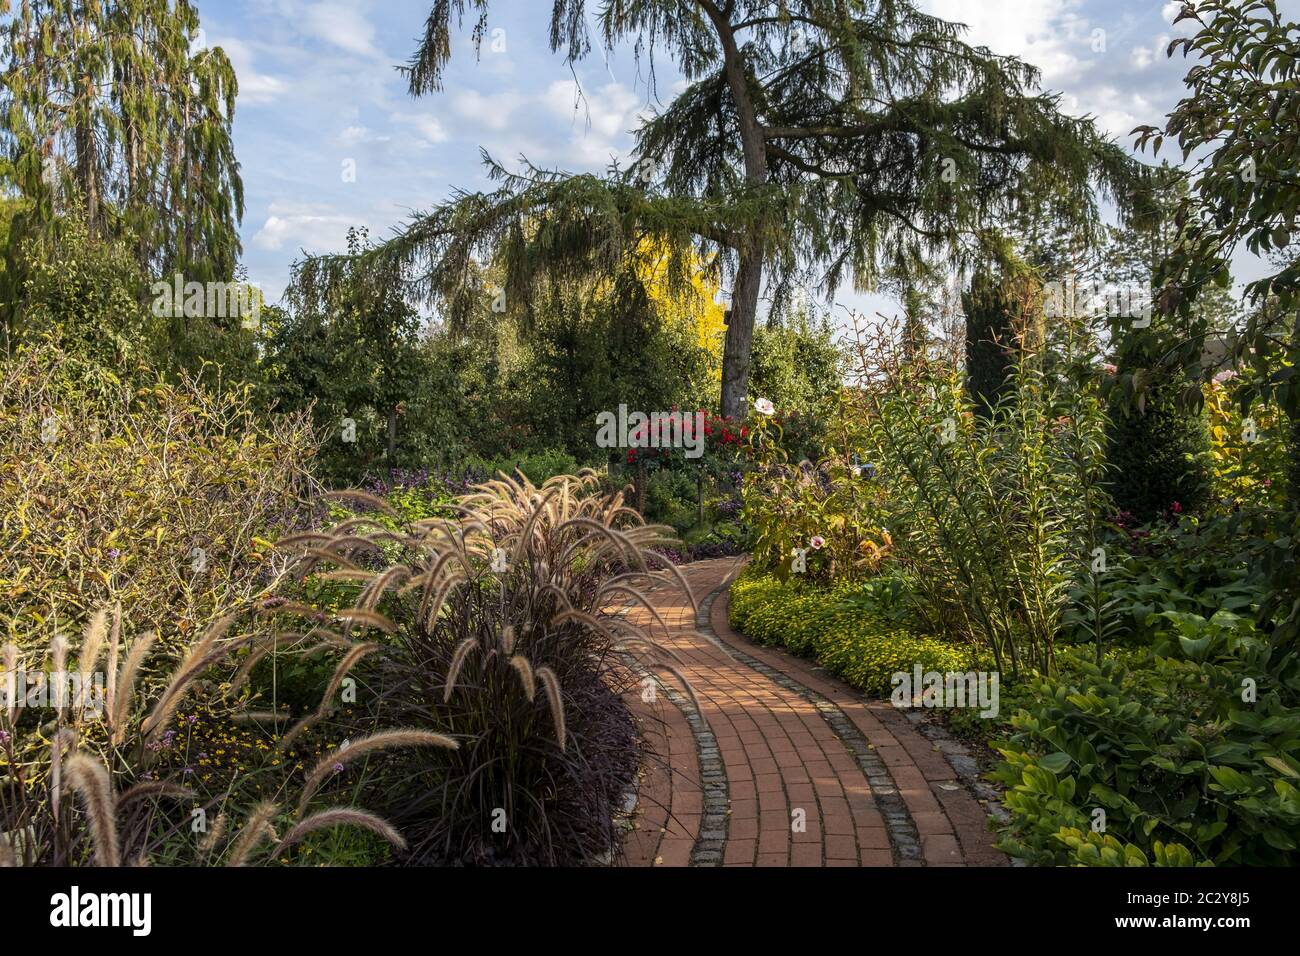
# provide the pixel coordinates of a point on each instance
(114, 112)
(817, 142)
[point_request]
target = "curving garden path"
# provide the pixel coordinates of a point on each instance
(782, 765)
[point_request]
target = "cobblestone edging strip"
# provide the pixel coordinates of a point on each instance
(965, 766)
(713, 781)
(903, 836)
(712, 835)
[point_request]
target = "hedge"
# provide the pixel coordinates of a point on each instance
(830, 626)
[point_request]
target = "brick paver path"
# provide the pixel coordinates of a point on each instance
(782, 765)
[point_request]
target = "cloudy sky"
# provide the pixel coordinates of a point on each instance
(320, 97)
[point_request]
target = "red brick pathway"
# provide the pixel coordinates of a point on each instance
(795, 792)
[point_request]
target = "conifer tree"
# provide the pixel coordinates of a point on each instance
(817, 142)
(115, 112)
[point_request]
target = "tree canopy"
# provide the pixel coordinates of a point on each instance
(817, 143)
(116, 109)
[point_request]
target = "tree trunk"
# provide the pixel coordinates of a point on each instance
(740, 336)
(749, 269)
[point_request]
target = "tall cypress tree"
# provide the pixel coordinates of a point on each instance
(1157, 441)
(990, 333)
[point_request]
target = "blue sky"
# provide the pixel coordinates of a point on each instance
(320, 92)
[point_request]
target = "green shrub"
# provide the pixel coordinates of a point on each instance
(537, 466)
(160, 498)
(1196, 565)
(541, 466)
(1248, 449)
(1164, 744)
(838, 628)
(797, 365)
(867, 652)
(91, 297)
(671, 497)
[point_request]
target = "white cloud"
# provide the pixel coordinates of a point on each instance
(1123, 83)
(600, 120)
(492, 110)
(607, 111)
(342, 25)
(254, 87)
(561, 125)
(311, 227)
(1046, 33)
(426, 127)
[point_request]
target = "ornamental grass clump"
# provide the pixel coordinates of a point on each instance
(84, 778)
(500, 629)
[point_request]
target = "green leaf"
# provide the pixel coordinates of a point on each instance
(1055, 762)
(1281, 766)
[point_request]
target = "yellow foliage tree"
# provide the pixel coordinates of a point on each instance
(695, 308)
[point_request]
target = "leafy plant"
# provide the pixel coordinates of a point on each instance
(831, 510)
(1195, 750)
(1248, 447)
(991, 516)
(1192, 565)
